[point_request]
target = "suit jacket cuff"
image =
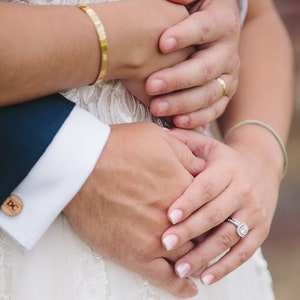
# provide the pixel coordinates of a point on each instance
(56, 177)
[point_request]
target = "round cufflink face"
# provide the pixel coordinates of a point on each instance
(12, 206)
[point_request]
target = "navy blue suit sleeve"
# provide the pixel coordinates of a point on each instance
(26, 130)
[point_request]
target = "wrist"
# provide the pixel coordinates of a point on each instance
(258, 145)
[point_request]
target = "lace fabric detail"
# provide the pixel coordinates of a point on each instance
(89, 280)
(5, 266)
(67, 268)
(110, 102)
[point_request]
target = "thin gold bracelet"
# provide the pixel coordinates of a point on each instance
(102, 39)
(272, 131)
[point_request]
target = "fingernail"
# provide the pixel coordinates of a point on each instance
(183, 269)
(170, 241)
(208, 279)
(184, 120)
(176, 216)
(162, 107)
(170, 44)
(156, 86)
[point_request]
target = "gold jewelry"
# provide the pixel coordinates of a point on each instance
(223, 84)
(272, 131)
(102, 39)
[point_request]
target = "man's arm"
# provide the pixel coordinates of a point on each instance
(36, 119)
(42, 145)
(112, 200)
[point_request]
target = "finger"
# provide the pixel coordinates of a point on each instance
(201, 68)
(193, 164)
(174, 255)
(198, 143)
(219, 244)
(199, 221)
(205, 187)
(202, 116)
(203, 27)
(211, 249)
(182, 102)
(162, 274)
(237, 255)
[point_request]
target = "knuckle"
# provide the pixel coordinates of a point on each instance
(211, 95)
(247, 190)
(175, 81)
(233, 65)
(225, 240)
(205, 32)
(187, 231)
(207, 190)
(168, 279)
(243, 256)
(208, 72)
(220, 107)
(236, 61)
(213, 216)
(233, 25)
(223, 270)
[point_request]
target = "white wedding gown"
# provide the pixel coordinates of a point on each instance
(62, 267)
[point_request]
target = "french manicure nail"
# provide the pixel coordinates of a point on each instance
(183, 269)
(208, 279)
(170, 241)
(175, 216)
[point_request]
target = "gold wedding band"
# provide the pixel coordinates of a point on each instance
(223, 84)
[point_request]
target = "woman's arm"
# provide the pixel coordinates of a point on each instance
(45, 49)
(242, 179)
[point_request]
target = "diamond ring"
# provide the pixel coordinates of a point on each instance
(241, 228)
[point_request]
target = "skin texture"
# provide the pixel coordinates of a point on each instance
(243, 192)
(107, 200)
(189, 90)
(245, 182)
(214, 27)
(48, 66)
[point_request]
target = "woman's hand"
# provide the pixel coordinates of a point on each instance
(241, 181)
(188, 91)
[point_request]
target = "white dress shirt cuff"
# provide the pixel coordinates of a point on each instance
(56, 177)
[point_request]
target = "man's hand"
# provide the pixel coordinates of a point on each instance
(188, 91)
(121, 211)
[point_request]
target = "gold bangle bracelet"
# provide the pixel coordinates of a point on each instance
(102, 39)
(272, 131)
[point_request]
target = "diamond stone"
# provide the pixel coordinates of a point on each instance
(242, 230)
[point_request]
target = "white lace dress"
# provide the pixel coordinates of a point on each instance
(62, 267)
